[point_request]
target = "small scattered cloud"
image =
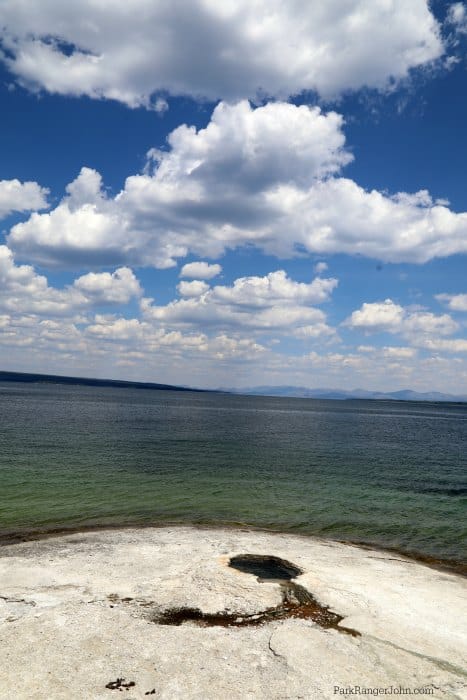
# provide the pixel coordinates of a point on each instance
(398, 352)
(452, 345)
(457, 17)
(160, 105)
(320, 267)
(194, 288)
(200, 270)
(377, 317)
(454, 302)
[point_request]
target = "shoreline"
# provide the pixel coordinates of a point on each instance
(182, 612)
(458, 567)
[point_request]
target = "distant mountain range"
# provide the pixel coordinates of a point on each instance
(341, 394)
(286, 391)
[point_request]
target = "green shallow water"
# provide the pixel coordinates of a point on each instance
(392, 474)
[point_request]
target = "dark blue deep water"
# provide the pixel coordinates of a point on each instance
(381, 472)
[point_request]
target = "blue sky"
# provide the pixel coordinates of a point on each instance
(252, 193)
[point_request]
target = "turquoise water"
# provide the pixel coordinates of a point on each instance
(392, 474)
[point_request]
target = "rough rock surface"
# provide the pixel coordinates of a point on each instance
(77, 611)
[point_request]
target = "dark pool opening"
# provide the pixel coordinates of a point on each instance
(265, 567)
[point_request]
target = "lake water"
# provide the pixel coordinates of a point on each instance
(391, 474)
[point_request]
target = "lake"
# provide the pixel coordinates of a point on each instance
(379, 472)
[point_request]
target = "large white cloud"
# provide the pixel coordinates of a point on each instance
(339, 216)
(16, 196)
(266, 177)
(206, 48)
(254, 149)
(203, 192)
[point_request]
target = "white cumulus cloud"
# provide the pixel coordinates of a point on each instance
(377, 316)
(259, 304)
(16, 196)
(200, 270)
(387, 316)
(85, 227)
(191, 201)
(194, 288)
(266, 177)
(206, 48)
(109, 288)
(22, 290)
(457, 16)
